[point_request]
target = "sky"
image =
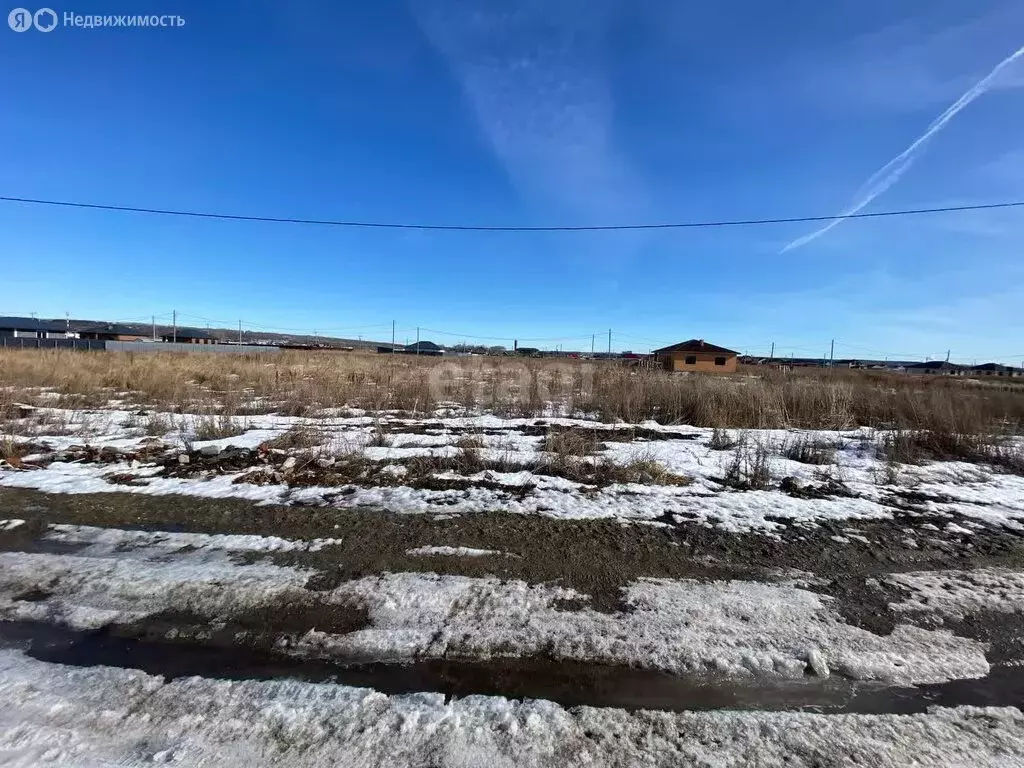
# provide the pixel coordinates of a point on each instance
(525, 113)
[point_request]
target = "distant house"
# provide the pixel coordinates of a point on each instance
(189, 336)
(697, 355)
(936, 368)
(995, 369)
(419, 348)
(112, 332)
(423, 348)
(33, 328)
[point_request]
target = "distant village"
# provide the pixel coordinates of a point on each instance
(693, 355)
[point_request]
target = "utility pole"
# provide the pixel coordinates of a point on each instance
(174, 326)
(609, 342)
(417, 341)
(772, 355)
(592, 336)
(832, 353)
(154, 327)
(239, 331)
(947, 355)
(392, 337)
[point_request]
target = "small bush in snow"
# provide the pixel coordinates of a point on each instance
(217, 427)
(749, 469)
(572, 442)
(808, 449)
(723, 440)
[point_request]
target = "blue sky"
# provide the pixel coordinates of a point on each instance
(525, 113)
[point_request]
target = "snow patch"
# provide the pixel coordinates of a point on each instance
(455, 552)
(66, 716)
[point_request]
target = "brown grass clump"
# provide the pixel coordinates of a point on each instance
(296, 439)
(11, 452)
(722, 440)
(470, 442)
(749, 469)
(808, 449)
(918, 446)
(217, 427)
(572, 442)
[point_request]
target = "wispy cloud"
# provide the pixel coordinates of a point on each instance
(534, 76)
(890, 173)
(903, 67)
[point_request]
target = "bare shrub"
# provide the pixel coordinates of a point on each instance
(158, 424)
(297, 438)
(572, 442)
(378, 439)
(749, 469)
(1006, 455)
(11, 452)
(809, 449)
(722, 440)
(470, 442)
(216, 427)
(901, 447)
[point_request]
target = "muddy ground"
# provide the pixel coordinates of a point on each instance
(594, 557)
(597, 558)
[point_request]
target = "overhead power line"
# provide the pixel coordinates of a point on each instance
(482, 228)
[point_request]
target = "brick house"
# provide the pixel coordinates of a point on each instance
(697, 355)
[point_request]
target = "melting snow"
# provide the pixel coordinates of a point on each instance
(62, 716)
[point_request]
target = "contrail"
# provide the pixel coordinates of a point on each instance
(891, 172)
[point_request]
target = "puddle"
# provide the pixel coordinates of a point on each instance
(567, 683)
(43, 546)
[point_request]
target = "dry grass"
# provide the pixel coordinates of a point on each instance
(217, 427)
(572, 442)
(722, 440)
(749, 469)
(909, 446)
(10, 451)
(470, 443)
(809, 449)
(158, 425)
(307, 383)
(296, 439)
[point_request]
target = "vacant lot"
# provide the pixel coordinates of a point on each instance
(801, 568)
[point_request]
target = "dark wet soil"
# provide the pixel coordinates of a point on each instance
(566, 683)
(541, 428)
(594, 557)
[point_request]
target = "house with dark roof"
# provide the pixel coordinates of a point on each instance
(937, 368)
(995, 369)
(423, 348)
(189, 336)
(112, 332)
(697, 355)
(419, 348)
(34, 328)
